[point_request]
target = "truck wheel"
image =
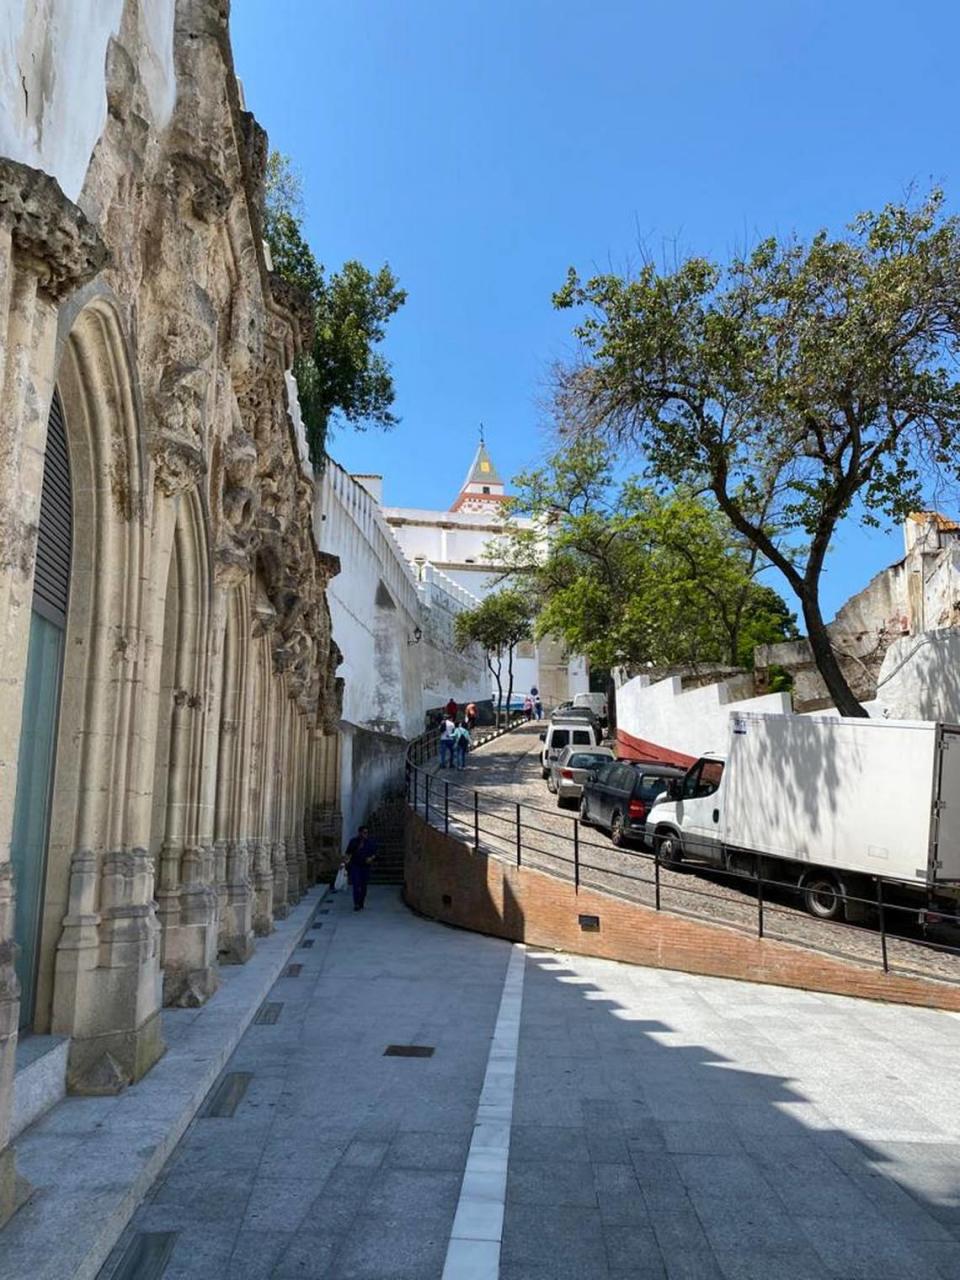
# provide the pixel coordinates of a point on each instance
(670, 850)
(822, 898)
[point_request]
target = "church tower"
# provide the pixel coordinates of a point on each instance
(482, 491)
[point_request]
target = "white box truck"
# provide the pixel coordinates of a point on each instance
(830, 805)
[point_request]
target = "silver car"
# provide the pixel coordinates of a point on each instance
(572, 767)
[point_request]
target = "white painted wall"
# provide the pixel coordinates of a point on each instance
(920, 678)
(53, 102)
(690, 722)
(376, 603)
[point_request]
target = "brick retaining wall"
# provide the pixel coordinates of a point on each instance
(447, 881)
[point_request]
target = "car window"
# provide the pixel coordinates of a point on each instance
(559, 738)
(651, 785)
(703, 779)
(584, 760)
(582, 736)
(622, 777)
(606, 772)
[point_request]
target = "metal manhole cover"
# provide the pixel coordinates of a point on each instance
(408, 1051)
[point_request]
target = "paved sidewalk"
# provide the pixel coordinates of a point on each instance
(660, 1125)
(339, 1161)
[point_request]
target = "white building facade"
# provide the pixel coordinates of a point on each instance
(462, 543)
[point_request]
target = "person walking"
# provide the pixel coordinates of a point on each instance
(537, 704)
(451, 709)
(361, 854)
(461, 745)
(528, 707)
(446, 742)
(471, 716)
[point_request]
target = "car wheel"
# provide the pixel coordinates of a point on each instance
(551, 785)
(563, 802)
(822, 898)
(669, 848)
(616, 831)
(544, 773)
(584, 811)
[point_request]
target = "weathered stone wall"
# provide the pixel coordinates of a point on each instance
(198, 693)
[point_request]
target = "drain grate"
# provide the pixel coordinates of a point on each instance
(317, 926)
(408, 1051)
(146, 1256)
(307, 942)
(228, 1094)
(268, 1013)
(292, 971)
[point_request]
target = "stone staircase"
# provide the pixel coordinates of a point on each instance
(386, 826)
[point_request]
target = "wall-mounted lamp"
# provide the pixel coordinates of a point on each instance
(417, 636)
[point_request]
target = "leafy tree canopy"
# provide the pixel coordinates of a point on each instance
(630, 577)
(498, 624)
(343, 374)
(796, 384)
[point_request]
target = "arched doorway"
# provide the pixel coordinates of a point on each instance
(41, 705)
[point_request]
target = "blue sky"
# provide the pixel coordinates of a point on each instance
(481, 148)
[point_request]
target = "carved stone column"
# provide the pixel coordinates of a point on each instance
(47, 250)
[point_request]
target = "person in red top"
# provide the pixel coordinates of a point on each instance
(451, 709)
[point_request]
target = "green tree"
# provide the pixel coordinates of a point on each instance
(342, 374)
(498, 624)
(630, 577)
(798, 384)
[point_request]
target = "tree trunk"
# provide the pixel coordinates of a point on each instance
(826, 661)
(509, 680)
(495, 672)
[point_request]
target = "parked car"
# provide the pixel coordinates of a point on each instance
(619, 795)
(565, 733)
(572, 767)
(597, 702)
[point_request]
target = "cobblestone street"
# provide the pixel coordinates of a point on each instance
(576, 1119)
(506, 772)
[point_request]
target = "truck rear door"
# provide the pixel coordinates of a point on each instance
(946, 844)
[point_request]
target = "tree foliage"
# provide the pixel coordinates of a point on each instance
(343, 374)
(798, 384)
(498, 624)
(630, 577)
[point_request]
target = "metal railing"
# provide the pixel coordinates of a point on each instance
(510, 830)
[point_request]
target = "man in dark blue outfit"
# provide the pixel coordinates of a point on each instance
(361, 852)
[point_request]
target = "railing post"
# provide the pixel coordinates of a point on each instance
(416, 775)
(476, 821)
(883, 926)
(426, 799)
(576, 853)
(446, 807)
(656, 873)
(518, 836)
(759, 897)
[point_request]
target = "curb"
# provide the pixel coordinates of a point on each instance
(92, 1161)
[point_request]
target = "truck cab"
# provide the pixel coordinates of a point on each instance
(688, 821)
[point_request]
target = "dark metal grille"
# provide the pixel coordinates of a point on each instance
(146, 1256)
(268, 1013)
(292, 971)
(408, 1051)
(228, 1094)
(51, 582)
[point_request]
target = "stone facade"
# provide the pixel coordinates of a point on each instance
(918, 594)
(197, 695)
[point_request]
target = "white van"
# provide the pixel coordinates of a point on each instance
(565, 733)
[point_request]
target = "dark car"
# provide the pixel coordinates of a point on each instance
(618, 796)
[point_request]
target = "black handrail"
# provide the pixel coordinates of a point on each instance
(425, 747)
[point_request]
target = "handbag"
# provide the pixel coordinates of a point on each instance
(341, 881)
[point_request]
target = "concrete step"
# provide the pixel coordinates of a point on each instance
(40, 1078)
